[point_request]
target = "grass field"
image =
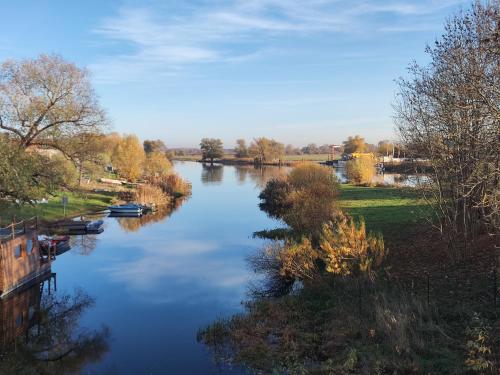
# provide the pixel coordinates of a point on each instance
(77, 204)
(385, 209)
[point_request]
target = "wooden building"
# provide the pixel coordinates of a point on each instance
(19, 311)
(21, 260)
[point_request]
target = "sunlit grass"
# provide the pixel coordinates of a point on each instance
(385, 209)
(78, 203)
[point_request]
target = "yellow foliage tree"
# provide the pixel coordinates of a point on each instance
(128, 157)
(354, 144)
(157, 164)
(361, 170)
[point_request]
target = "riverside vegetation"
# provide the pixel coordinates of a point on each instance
(53, 142)
(418, 299)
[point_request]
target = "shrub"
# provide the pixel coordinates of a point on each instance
(171, 184)
(275, 198)
(150, 194)
(304, 200)
(360, 171)
(347, 248)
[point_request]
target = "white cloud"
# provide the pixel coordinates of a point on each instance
(160, 41)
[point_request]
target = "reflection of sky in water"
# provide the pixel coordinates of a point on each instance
(157, 286)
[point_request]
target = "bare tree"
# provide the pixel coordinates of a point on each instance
(46, 100)
(449, 113)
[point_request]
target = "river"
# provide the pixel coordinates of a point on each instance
(149, 284)
(156, 281)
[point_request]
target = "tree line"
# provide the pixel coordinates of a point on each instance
(266, 150)
(53, 132)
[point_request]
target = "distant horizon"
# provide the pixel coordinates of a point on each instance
(299, 73)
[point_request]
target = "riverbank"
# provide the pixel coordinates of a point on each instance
(79, 203)
(232, 160)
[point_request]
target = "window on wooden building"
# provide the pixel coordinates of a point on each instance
(18, 251)
(29, 246)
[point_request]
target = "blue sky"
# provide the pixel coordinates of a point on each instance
(299, 71)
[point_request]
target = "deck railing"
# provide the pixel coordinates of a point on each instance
(18, 228)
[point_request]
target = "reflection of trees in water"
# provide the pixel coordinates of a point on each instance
(45, 336)
(212, 173)
(259, 175)
(84, 244)
(133, 224)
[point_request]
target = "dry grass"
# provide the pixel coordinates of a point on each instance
(150, 194)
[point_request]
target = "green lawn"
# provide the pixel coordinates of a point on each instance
(385, 209)
(77, 204)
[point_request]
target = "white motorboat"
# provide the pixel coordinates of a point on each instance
(126, 209)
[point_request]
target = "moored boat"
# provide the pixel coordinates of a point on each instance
(126, 209)
(95, 226)
(60, 244)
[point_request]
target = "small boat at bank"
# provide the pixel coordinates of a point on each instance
(95, 227)
(130, 208)
(77, 227)
(60, 244)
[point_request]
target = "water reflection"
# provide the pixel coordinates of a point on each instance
(212, 173)
(41, 333)
(133, 224)
(259, 175)
(85, 244)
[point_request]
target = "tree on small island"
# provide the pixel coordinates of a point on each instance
(211, 149)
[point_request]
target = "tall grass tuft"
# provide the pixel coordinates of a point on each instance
(150, 194)
(172, 185)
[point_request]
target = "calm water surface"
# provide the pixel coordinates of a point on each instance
(157, 280)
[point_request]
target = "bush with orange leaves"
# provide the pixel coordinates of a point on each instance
(344, 248)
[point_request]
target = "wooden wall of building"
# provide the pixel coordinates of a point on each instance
(20, 261)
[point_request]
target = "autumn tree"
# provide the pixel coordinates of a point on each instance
(151, 146)
(266, 150)
(354, 144)
(449, 113)
(45, 101)
(241, 149)
(129, 157)
(360, 171)
(156, 164)
(211, 149)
